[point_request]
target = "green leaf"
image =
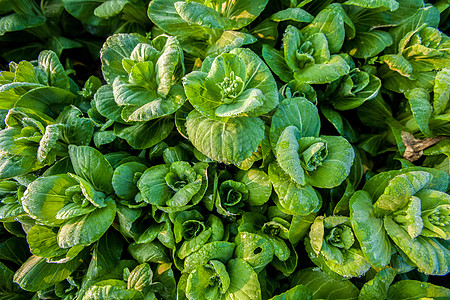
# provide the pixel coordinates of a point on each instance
(106, 105)
(109, 9)
(298, 112)
(407, 289)
(105, 257)
(153, 186)
(292, 14)
(153, 252)
(45, 196)
(92, 166)
(419, 100)
(244, 282)
(48, 100)
(330, 22)
(324, 72)
(85, 230)
(199, 14)
(33, 274)
(377, 287)
(258, 185)
(229, 142)
(369, 230)
(140, 278)
(125, 179)
(77, 129)
(43, 242)
(427, 254)
(368, 44)
(48, 61)
(147, 107)
(17, 22)
(228, 41)
(275, 60)
(219, 250)
(164, 14)
(145, 134)
(401, 188)
(297, 292)
(392, 5)
(15, 250)
(255, 249)
(441, 90)
(116, 48)
(198, 282)
(293, 199)
(111, 289)
(324, 287)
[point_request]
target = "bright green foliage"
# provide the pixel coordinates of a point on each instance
(218, 149)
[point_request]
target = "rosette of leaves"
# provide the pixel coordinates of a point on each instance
(145, 77)
(42, 86)
(411, 209)
(192, 231)
(174, 187)
(135, 284)
(212, 273)
(11, 192)
(29, 142)
(333, 242)
(125, 180)
(143, 88)
(263, 240)
(71, 210)
(229, 94)
(206, 27)
(231, 194)
(305, 57)
(303, 158)
(353, 89)
(419, 50)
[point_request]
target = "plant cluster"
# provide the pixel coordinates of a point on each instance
(225, 149)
